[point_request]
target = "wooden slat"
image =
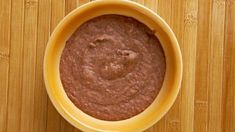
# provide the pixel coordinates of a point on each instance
(229, 70)
(29, 62)
(173, 117)
(151, 4)
(76, 130)
(40, 95)
(82, 2)
(65, 126)
(16, 66)
(188, 47)
(53, 118)
(203, 46)
(216, 66)
(139, 1)
(164, 12)
(70, 5)
(5, 11)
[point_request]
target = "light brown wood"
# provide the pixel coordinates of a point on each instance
(216, 66)
(16, 66)
(205, 30)
(229, 70)
(29, 63)
(5, 13)
(173, 118)
(40, 95)
(189, 58)
(201, 91)
(82, 2)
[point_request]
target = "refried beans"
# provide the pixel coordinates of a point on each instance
(112, 67)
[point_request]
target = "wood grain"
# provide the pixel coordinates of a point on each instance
(205, 30)
(216, 66)
(40, 95)
(229, 70)
(173, 118)
(5, 13)
(16, 66)
(189, 57)
(201, 91)
(29, 63)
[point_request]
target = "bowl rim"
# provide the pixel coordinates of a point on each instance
(131, 4)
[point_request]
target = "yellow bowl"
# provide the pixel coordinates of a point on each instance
(70, 23)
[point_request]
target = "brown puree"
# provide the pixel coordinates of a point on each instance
(112, 67)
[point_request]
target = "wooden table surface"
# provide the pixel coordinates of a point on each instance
(205, 30)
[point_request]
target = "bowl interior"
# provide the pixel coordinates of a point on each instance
(69, 24)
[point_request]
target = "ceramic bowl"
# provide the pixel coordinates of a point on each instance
(70, 23)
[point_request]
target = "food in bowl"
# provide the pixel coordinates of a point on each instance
(112, 67)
